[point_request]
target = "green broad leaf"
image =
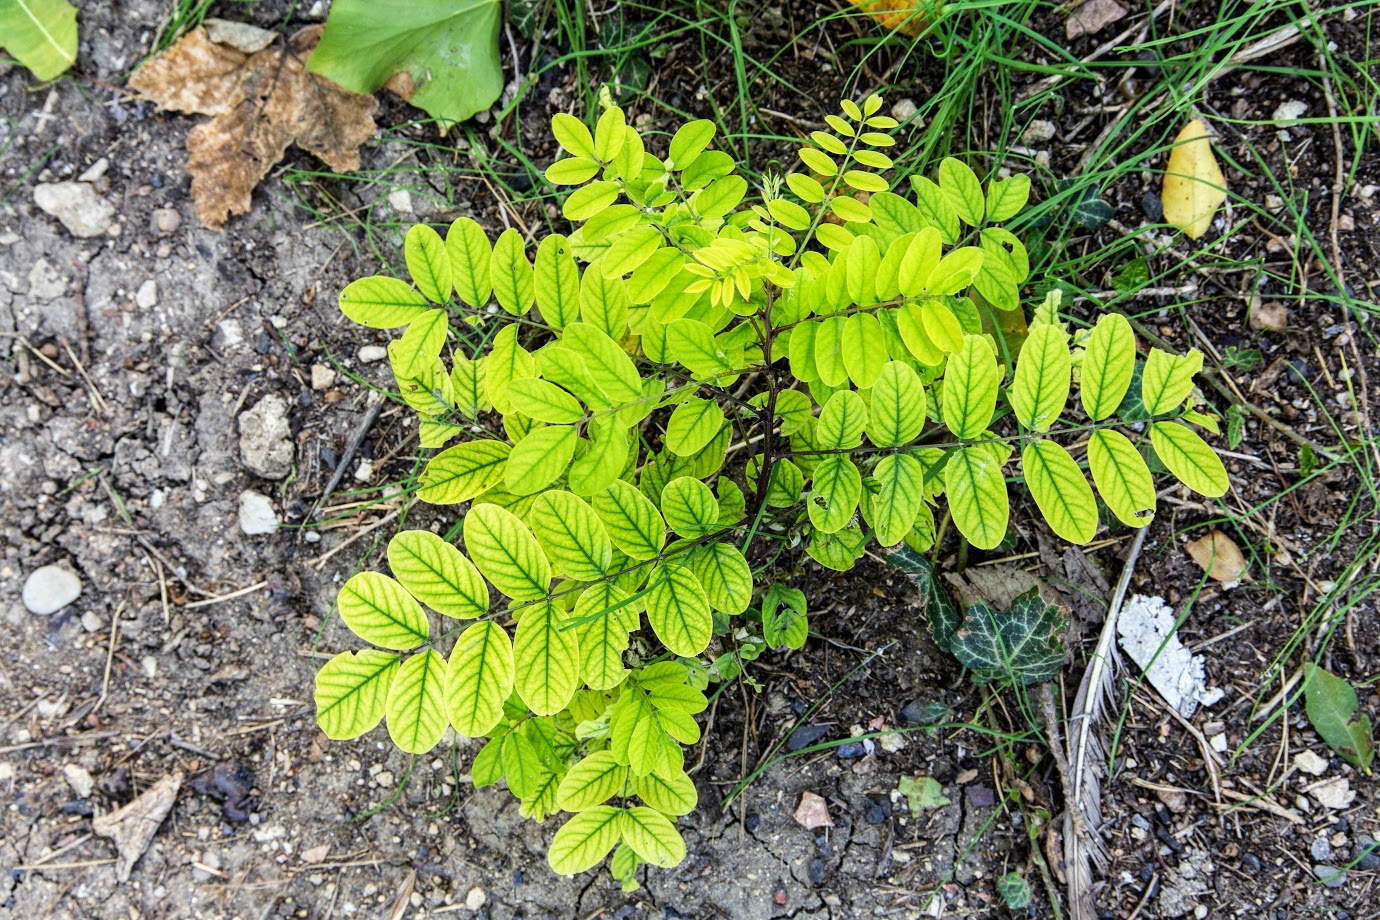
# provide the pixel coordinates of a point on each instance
(864, 349)
(352, 692)
(542, 801)
(651, 277)
(784, 618)
(1189, 458)
(1006, 197)
(479, 678)
(850, 210)
(839, 550)
(802, 352)
(919, 262)
(380, 302)
(894, 215)
(732, 505)
(828, 351)
(970, 389)
(805, 187)
(416, 708)
(487, 768)
(608, 364)
(910, 326)
(574, 138)
(449, 52)
(463, 472)
(631, 156)
(1022, 646)
(636, 736)
(416, 353)
(470, 254)
(860, 266)
(691, 343)
(689, 142)
(901, 482)
(427, 263)
(557, 282)
(633, 523)
(41, 34)
(689, 507)
(608, 134)
(725, 576)
(835, 493)
(584, 840)
(1108, 364)
(588, 200)
(693, 424)
(1332, 708)
(719, 197)
(571, 535)
(1122, 478)
(540, 459)
(604, 301)
(941, 327)
(935, 209)
(674, 795)
(604, 617)
(708, 166)
(547, 659)
(1168, 380)
(591, 781)
(1040, 388)
(955, 271)
(522, 765)
(842, 421)
(888, 280)
(437, 574)
(789, 214)
(381, 612)
(652, 836)
(678, 610)
(602, 462)
(571, 171)
(961, 186)
(511, 273)
(977, 496)
(507, 553)
(1014, 890)
(544, 401)
(627, 253)
(1060, 490)
(506, 361)
(897, 412)
(568, 370)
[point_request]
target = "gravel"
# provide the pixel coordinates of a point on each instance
(257, 516)
(266, 438)
(76, 204)
(49, 589)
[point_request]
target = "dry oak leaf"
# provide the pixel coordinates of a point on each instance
(812, 812)
(909, 17)
(132, 827)
(1219, 556)
(260, 104)
(1194, 187)
(1092, 17)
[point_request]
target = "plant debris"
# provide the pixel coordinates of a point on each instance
(1219, 556)
(232, 784)
(133, 827)
(261, 103)
(1194, 187)
(1146, 631)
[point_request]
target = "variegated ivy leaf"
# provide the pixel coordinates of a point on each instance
(1022, 645)
(939, 607)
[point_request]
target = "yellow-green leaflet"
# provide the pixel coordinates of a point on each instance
(380, 302)
(467, 385)
(1122, 478)
(919, 262)
(416, 709)
(467, 246)
(955, 271)
(1060, 490)
(381, 612)
(539, 459)
(544, 401)
(506, 362)
(603, 618)
(628, 252)
(573, 136)
(901, 481)
(571, 535)
(802, 352)
(604, 302)
(691, 342)
(671, 795)
(511, 273)
(834, 496)
(897, 412)
(557, 282)
(1189, 458)
(828, 351)
(1043, 375)
(864, 347)
(462, 472)
(416, 352)
(725, 577)
(584, 840)
(547, 658)
(678, 610)
(1107, 366)
(479, 678)
(1168, 380)
(437, 574)
(608, 134)
(689, 507)
(977, 496)
(427, 262)
(961, 186)
(607, 362)
(842, 420)
(633, 523)
(352, 692)
(652, 836)
(860, 265)
(602, 461)
(507, 553)
(910, 325)
(941, 327)
(1006, 197)
(693, 424)
(970, 388)
(592, 781)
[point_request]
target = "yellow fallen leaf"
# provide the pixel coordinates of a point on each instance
(1219, 556)
(1194, 187)
(909, 17)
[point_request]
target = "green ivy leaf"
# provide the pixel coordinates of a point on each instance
(1022, 645)
(1015, 891)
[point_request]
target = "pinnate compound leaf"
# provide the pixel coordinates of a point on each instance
(970, 389)
(693, 424)
(381, 612)
(437, 574)
(445, 55)
(571, 534)
(678, 610)
(592, 781)
(673, 795)
(1023, 645)
(1060, 491)
(603, 617)
(479, 678)
(977, 496)
(507, 553)
(1189, 458)
(465, 471)
(42, 34)
(1108, 365)
(1194, 187)
(897, 412)
(633, 523)
(689, 507)
(1122, 478)
(417, 703)
(428, 263)
(547, 658)
(380, 302)
(1040, 388)
(1331, 704)
(901, 481)
(540, 459)
(1167, 380)
(834, 495)
(725, 576)
(584, 840)
(652, 836)
(352, 692)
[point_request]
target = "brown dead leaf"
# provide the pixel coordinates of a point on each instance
(132, 827)
(812, 812)
(1092, 17)
(1219, 556)
(260, 104)
(909, 17)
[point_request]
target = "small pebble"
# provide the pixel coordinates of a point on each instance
(257, 516)
(79, 779)
(50, 588)
(369, 354)
(1330, 876)
(816, 870)
(1038, 132)
(146, 298)
(1320, 850)
(322, 377)
(903, 110)
(165, 221)
(91, 621)
(805, 736)
(1153, 205)
(1251, 862)
(851, 751)
(476, 898)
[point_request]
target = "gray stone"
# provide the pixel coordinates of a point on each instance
(49, 589)
(1038, 132)
(146, 297)
(76, 204)
(1320, 850)
(45, 282)
(1330, 876)
(904, 109)
(165, 221)
(79, 779)
(257, 516)
(266, 438)
(371, 353)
